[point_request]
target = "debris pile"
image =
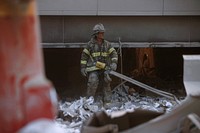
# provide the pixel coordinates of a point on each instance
(73, 114)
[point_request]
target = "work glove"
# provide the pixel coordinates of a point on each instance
(113, 66)
(107, 78)
(83, 72)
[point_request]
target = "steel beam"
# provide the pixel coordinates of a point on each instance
(126, 44)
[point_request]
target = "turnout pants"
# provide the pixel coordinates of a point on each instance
(94, 78)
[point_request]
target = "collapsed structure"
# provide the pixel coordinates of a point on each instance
(23, 83)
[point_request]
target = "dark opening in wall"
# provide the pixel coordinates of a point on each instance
(63, 68)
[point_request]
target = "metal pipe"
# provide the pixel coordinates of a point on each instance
(121, 60)
(149, 88)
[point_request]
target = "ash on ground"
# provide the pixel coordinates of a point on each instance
(73, 113)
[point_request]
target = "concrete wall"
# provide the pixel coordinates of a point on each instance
(70, 29)
(119, 7)
(71, 21)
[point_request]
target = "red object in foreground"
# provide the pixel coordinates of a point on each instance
(25, 93)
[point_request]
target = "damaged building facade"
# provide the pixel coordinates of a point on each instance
(158, 31)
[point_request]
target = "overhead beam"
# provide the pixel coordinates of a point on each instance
(125, 44)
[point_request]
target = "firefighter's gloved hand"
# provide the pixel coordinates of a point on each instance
(113, 66)
(107, 68)
(107, 77)
(83, 72)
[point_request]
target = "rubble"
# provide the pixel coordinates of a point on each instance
(42, 126)
(73, 114)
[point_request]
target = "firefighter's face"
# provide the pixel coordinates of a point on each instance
(100, 35)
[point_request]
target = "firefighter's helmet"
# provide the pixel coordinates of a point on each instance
(98, 28)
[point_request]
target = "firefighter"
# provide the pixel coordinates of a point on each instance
(98, 51)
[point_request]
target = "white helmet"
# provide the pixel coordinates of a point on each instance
(98, 28)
